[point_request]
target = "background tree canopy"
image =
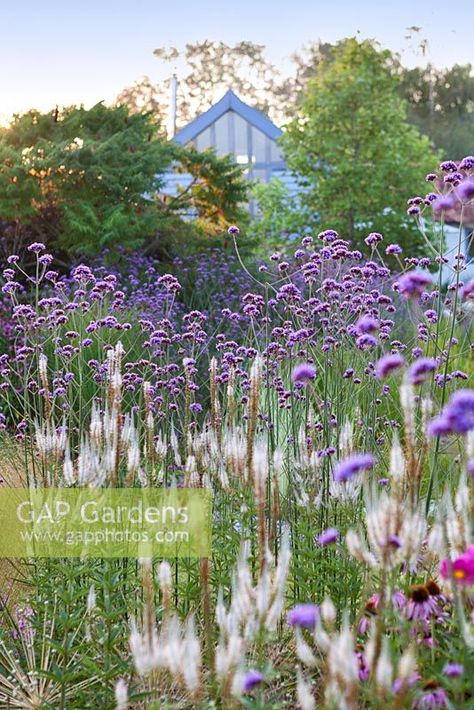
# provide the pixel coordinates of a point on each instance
(356, 156)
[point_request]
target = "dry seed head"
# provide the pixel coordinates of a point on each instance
(342, 660)
(43, 370)
(229, 655)
(407, 663)
(304, 651)
(133, 457)
(321, 638)
(346, 439)
(346, 491)
(165, 582)
(165, 576)
(277, 463)
(358, 550)
(304, 692)
(436, 539)
(260, 470)
(328, 611)
(191, 665)
(91, 600)
(147, 652)
(221, 614)
(386, 520)
(160, 446)
(407, 400)
(237, 687)
(397, 459)
(469, 444)
(426, 410)
(121, 694)
(147, 391)
(454, 526)
(279, 583)
(68, 468)
(384, 671)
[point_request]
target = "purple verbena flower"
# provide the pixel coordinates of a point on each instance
(412, 284)
(388, 364)
(453, 670)
(327, 537)
(466, 163)
(465, 190)
(302, 373)
(442, 203)
(36, 247)
(367, 324)
(350, 466)
(304, 615)
(432, 699)
(420, 370)
(456, 417)
(251, 679)
(373, 238)
(448, 166)
(467, 290)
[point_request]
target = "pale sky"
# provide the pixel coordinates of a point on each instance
(62, 52)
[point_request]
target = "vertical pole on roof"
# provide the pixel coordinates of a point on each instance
(173, 106)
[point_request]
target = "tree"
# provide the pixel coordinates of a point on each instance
(144, 96)
(80, 178)
(441, 104)
(83, 180)
(216, 193)
(281, 216)
(208, 69)
(352, 148)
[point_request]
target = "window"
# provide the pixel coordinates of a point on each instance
(203, 140)
(221, 128)
(241, 139)
(259, 145)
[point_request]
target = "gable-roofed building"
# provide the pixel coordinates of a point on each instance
(232, 127)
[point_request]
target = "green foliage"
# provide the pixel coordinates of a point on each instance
(89, 170)
(281, 214)
(216, 193)
(357, 155)
(441, 104)
(85, 180)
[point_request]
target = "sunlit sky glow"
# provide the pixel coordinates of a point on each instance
(63, 52)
